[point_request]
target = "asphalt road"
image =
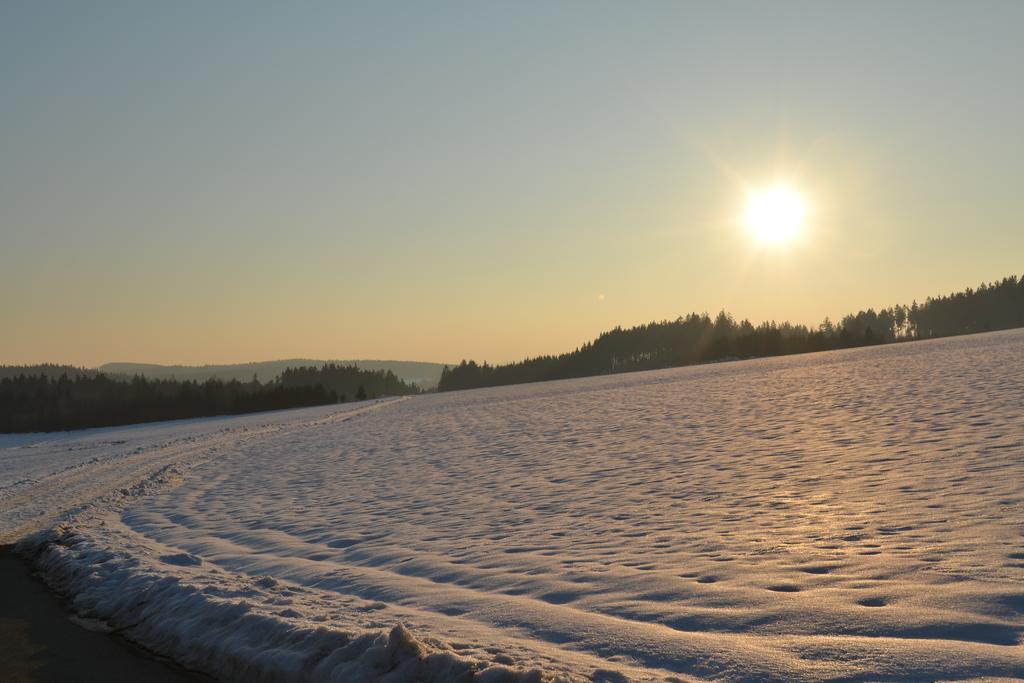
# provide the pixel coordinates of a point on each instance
(40, 642)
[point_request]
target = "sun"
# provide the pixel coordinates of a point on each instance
(775, 215)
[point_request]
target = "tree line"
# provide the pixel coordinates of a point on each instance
(42, 401)
(348, 381)
(52, 370)
(38, 403)
(698, 338)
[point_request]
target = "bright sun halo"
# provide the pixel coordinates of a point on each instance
(774, 214)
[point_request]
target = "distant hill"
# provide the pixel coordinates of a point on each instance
(425, 375)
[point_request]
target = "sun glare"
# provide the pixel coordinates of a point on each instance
(775, 214)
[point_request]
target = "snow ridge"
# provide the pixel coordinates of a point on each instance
(224, 635)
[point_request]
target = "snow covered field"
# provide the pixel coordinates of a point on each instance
(839, 516)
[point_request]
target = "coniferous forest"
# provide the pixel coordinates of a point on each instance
(51, 370)
(698, 338)
(347, 381)
(38, 403)
(37, 399)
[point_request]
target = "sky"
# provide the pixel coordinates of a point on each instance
(192, 182)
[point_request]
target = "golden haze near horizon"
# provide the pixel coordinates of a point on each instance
(278, 185)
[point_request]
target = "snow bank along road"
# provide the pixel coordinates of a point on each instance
(840, 516)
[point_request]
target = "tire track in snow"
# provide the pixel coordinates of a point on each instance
(39, 502)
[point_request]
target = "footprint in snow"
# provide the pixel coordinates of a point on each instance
(181, 560)
(784, 588)
(873, 602)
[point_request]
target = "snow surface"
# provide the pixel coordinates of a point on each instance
(839, 516)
